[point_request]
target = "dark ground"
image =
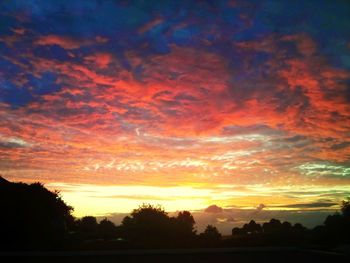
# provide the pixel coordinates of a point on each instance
(272, 254)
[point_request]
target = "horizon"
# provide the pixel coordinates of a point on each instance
(224, 219)
(233, 110)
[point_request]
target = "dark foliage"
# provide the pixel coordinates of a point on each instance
(345, 208)
(32, 216)
(336, 228)
(269, 233)
(334, 231)
(150, 226)
(210, 237)
(107, 230)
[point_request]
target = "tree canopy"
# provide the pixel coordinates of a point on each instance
(151, 225)
(32, 215)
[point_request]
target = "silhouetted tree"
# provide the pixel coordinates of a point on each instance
(151, 226)
(186, 219)
(298, 228)
(286, 227)
(147, 225)
(211, 236)
(345, 208)
(87, 227)
(334, 222)
(252, 228)
(185, 225)
(236, 231)
(107, 229)
(274, 226)
(33, 218)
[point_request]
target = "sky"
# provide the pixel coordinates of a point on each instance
(230, 109)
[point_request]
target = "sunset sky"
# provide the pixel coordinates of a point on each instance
(188, 104)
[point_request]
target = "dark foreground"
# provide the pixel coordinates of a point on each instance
(272, 254)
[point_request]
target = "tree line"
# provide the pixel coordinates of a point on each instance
(35, 218)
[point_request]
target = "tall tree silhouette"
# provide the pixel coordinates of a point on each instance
(185, 223)
(33, 217)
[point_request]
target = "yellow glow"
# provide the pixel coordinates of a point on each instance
(99, 200)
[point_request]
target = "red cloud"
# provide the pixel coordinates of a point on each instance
(64, 42)
(306, 46)
(150, 25)
(67, 42)
(102, 60)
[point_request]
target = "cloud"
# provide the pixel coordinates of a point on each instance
(66, 42)
(305, 45)
(310, 205)
(102, 60)
(150, 25)
(213, 209)
(116, 218)
(13, 143)
(341, 145)
(260, 207)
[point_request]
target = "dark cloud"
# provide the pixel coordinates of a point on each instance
(295, 138)
(310, 205)
(12, 143)
(260, 207)
(291, 98)
(340, 146)
(213, 209)
(258, 128)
